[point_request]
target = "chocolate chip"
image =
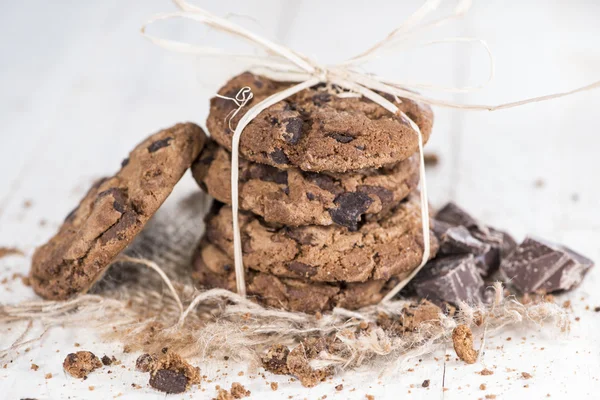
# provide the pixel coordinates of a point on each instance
(350, 207)
(321, 98)
(341, 137)
(310, 196)
(258, 83)
(302, 269)
(540, 265)
(293, 130)
(106, 360)
(71, 215)
(279, 157)
(361, 148)
(159, 144)
(266, 173)
(323, 181)
(119, 230)
(451, 279)
(120, 198)
(124, 162)
(168, 381)
(385, 196)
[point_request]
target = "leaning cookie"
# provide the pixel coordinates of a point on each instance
(377, 250)
(113, 212)
(294, 197)
(214, 269)
(316, 130)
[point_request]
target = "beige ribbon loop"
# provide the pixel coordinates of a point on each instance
(284, 64)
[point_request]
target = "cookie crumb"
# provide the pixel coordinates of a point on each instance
(425, 383)
(238, 391)
(80, 364)
(462, 337)
(35, 367)
(106, 360)
(274, 386)
(482, 386)
(145, 362)
(431, 159)
(169, 372)
(91, 388)
(490, 396)
(526, 375)
(339, 387)
(275, 360)
(485, 372)
(539, 183)
(369, 397)
(48, 375)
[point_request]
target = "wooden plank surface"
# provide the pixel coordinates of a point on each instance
(80, 86)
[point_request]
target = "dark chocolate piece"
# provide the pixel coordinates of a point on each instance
(538, 265)
(454, 215)
(168, 381)
(451, 279)
(458, 240)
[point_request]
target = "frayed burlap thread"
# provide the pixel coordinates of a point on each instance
(149, 303)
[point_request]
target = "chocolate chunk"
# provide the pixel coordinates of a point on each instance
(168, 381)
(537, 265)
(341, 137)
(119, 196)
(266, 173)
(451, 278)
(360, 147)
(293, 130)
(119, 230)
(350, 207)
(159, 144)
(454, 215)
(302, 269)
(321, 98)
(124, 162)
(385, 196)
(458, 240)
(310, 196)
(279, 156)
(501, 245)
(323, 181)
(106, 360)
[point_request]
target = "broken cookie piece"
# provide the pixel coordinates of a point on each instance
(462, 338)
(80, 364)
(169, 372)
(539, 265)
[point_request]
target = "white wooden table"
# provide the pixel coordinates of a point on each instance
(79, 87)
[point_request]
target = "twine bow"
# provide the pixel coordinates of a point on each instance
(284, 64)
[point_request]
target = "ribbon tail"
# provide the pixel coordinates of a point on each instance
(235, 150)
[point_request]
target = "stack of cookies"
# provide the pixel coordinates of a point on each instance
(329, 213)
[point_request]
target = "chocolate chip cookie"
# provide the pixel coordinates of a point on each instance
(213, 268)
(316, 130)
(113, 212)
(294, 197)
(377, 250)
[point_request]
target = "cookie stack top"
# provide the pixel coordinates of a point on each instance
(327, 192)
